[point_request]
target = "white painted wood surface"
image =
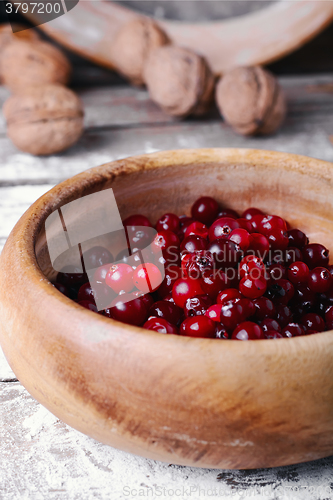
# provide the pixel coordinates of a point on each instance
(41, 457)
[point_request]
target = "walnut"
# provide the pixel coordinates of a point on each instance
(179, 81)
(44, 119)
(25, 63)
(132, 45)
(251, 100)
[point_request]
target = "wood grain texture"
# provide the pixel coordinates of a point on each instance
(140, 391)
(255, 38)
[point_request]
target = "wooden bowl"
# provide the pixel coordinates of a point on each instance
(198, 402)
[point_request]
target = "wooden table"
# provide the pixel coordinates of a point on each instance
(40, 456)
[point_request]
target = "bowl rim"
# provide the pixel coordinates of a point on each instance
(25, 232)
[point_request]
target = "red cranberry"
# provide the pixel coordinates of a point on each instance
(221, 332)
(184, 223)
(195, 264)
(298, 272)
(98, 293)
(128, 308)
(256, 222)
(245, 224)
(292, 254)
(233, 313)
(88, 305)
(315, 255)
(283, 315)
(168, 222)
(166, 310)
(320, 280)
(264, 308)
(272, 334)
(312, 321)
(226, 253)
(221, 228)
(276, 272)
(101, 272)
(146, 298)
(271, 223)
(96, 256)
(147, 277)
(62, 289)
(278, 239)
(270, 324)
(227, 295)
(172, 273)
(198, 326)
(247, 331)
(137, 220)
(164, 240)
(252, 267)
(213, 282)
(227, 212)
(292, 330)
(329, 317)
(71, 276)
(251, 212)
(198, 229)
(160, 325)
(241, 237)
(297, 238)
(193, 243)
(120, 278)
(205, 210)
(214, 312)
(197, 306)
(259, 245)
(281, 291)
(185, 288)
(252, 288)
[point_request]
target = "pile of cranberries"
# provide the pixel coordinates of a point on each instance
(214, 275)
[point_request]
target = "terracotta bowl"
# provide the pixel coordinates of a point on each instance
(198, 402)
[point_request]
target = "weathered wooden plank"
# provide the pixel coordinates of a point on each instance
(41, 457)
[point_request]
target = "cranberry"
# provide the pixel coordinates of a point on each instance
(281, 291)
(62, 289)
(297, 238)
(172, 273)
(272, 334)
(164, 240)
(256, 222)
(247, 331)
(101, 272)
(98, 293)
(185, 288)
(160, 325)
(329, 317)
(147, 277)
(283, 315)
(276, 272)
(195, 264)
(234, 312)
(227, 212)
(193, 243)
(271, 223)
(298, 273)
(198, 326)
(166, 310)
(197, 306)
(320, 280)
(252, 288)
(312, 321)
(252, 267)
(88, 305)
(259, 245)
(292, 330)
(205, 210)
(146, 298)
(71, 276)
(270, 324)
(137, 220)
(184, 223)
(168, 222)
(128, 308)
(120, 278)
(315, 255)
(245, 224)
(227, 295)
(226, 253)
(278, 239)
(214, 312)
(251, 212)
(198, 229)
(292, 254)
(96, 256)
(241, 237)
(221, 332)
(221, 228)
(213, 282)
(264, 308)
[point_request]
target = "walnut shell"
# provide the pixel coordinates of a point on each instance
(132, 45)
(25, 63)
(43, 120)
(179, 81)
(251, 100)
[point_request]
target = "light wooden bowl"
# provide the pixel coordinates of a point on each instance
(199, 402)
